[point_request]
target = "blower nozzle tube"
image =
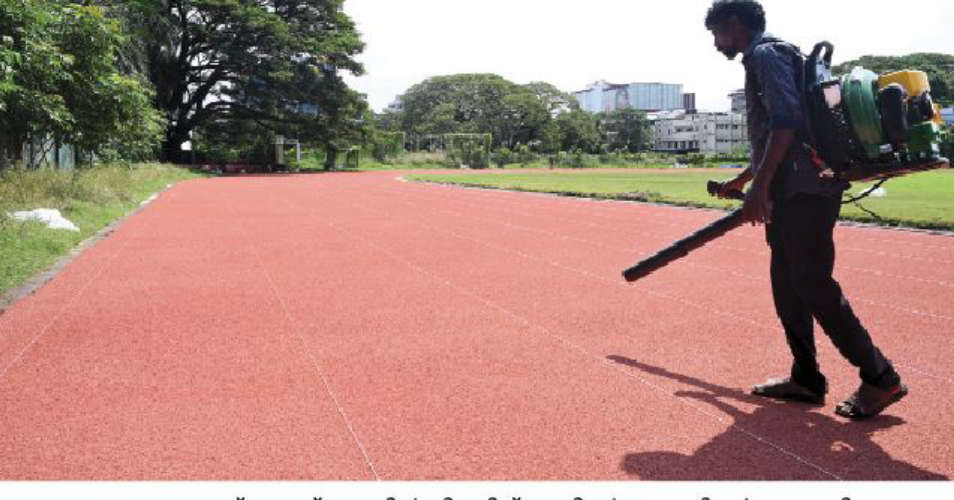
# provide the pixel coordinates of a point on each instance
(682, 247)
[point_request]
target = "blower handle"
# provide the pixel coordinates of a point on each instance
(715, 187)
(829, 51)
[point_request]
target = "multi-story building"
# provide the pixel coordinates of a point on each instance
(689, 102)
(738, 101)
(602, 97)
(710, 133)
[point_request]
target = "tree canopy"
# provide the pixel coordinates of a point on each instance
(627, 130)
(59, 79)
(268, 62)
(536, 114)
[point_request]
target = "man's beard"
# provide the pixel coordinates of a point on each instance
(730, 53)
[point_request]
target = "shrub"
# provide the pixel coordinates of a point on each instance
(579, 159)
(470, 150)
(387, 146)
(353, 157)
(503, 156)
(614, 158)
(947, 141)
(697, 159)
(525, 156)
(423, 159)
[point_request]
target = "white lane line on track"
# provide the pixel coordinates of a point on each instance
(923, 314)
(582, 351)
(673, 222)
(66, 307)
(913, 312)
(610, 206)
(656, 294)
(578, 348)
(919, 314)
(324, 380)
(875, 272)
(761, 325)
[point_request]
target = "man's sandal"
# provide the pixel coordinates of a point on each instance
(870, 400)
(788, 390)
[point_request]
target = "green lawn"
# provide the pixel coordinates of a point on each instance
(924, 200)
(90, 198)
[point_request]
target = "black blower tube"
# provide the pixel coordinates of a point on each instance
(682, 247)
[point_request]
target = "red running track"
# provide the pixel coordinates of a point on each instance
(354, 326)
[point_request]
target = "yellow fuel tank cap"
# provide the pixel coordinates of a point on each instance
(915, 82)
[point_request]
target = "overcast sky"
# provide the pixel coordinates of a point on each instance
(572, 44)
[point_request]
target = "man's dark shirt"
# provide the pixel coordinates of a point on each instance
(774, 102)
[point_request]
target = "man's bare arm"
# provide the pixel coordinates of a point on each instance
(736, 184)
(757, 208)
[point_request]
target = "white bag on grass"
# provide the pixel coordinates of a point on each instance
(52, 218)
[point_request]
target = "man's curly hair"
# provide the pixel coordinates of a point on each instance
(749, 12)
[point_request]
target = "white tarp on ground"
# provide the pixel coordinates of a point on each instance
(52, 218)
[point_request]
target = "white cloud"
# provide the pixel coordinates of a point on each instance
(571, 44)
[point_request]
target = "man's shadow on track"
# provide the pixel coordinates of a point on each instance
(840, 447)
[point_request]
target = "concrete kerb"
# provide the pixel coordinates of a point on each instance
(610, 199)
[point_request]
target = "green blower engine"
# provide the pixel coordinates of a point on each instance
(864, 126)
(861, 127)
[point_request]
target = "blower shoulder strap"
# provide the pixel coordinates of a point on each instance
(800, 64)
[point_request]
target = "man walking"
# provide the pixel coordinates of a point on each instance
(799, 205)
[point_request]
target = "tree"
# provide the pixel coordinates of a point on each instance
(263, 61)
(465, 103)
(550, 138)
(627, 129)
(555, 100)
(947, 141)
(523, 116)
(343, 120)
(474, 103)
(388, 120)
(578, 130)
(59, 80)
(939, 67)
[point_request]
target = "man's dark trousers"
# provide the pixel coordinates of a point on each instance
(803, 258)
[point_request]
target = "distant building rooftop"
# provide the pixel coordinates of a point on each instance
(602, 96)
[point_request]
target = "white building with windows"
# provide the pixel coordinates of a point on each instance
(603, 97)
(710, 133)
(738, 101)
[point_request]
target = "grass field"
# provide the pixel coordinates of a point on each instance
(924, 200)
(90, 198)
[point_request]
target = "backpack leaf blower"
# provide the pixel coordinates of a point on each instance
(866, 126)
(861, 127)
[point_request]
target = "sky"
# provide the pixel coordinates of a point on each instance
(573, 44)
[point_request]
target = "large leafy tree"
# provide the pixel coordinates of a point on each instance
(523, 117)
(939, 67)
(266, 62)
(626, 129)
(555, 100)
(465, 103)
(479, 103)
(578, 130)
(58, 79)
(342, 119)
